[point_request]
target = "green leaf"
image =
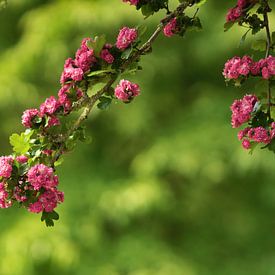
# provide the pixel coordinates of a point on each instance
(259, 45)
(201, 2)
(59, 162)
(147, 10)
(127, 53)
(99, 72)
(21, 143)
(228, 26)
(97, 44)
(104, 103)
(141, 30)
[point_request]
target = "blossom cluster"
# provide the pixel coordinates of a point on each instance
(243, 67)
(35, 189)
(238, 11)
(243, 111)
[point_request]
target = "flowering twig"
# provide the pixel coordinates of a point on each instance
(89, 104)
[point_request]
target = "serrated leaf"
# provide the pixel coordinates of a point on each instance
(21, 143)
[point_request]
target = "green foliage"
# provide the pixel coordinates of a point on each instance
(49, 218)
(21, 143)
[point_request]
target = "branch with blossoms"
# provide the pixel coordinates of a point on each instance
(253, 111)
(27, 177)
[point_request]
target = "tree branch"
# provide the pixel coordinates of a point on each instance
(89, 102)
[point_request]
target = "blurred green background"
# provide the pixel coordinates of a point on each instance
(165, 187)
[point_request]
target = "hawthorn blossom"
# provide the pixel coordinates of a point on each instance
(170, 28)
(126, 37)
(47, 201)
(50, 106)
(41, 175)
(126, 90)
(4, 201)
(71, 72)
(6, 166)
(242, 109)
(28, 116)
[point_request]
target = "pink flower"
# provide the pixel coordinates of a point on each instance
(265, 73)
(28, 116)
(105, 55)
(234, 14)
(126, 37)
(21, 159)
(242, 109)
(259, 134)
(36, 207)
(6, 166)
(126, 90)
(50, 106)
(243, 133)
(71, 72)
(84, 57)
(132, 2)
(41, 175)
(246, 144)
(4, 201)
(170, 28)
(236, 66)
(53, 121)
(47, 201)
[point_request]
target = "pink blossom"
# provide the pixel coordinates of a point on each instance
(243, 133)
(236, 66)
(36, 207)
(41, 175)
(259, 134)
(170, 28)
(132, 2)
(21, 159)
(71, 72)
(28, 116)
(4, 201)
(242, 109)
(50, 106)
(126, 90)
(105, 55)
(6, 166)
(84, 57)
(234, 14)
(126, 37)
(53, 121)
(246, 144)
(255, 68)
(47, 201)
